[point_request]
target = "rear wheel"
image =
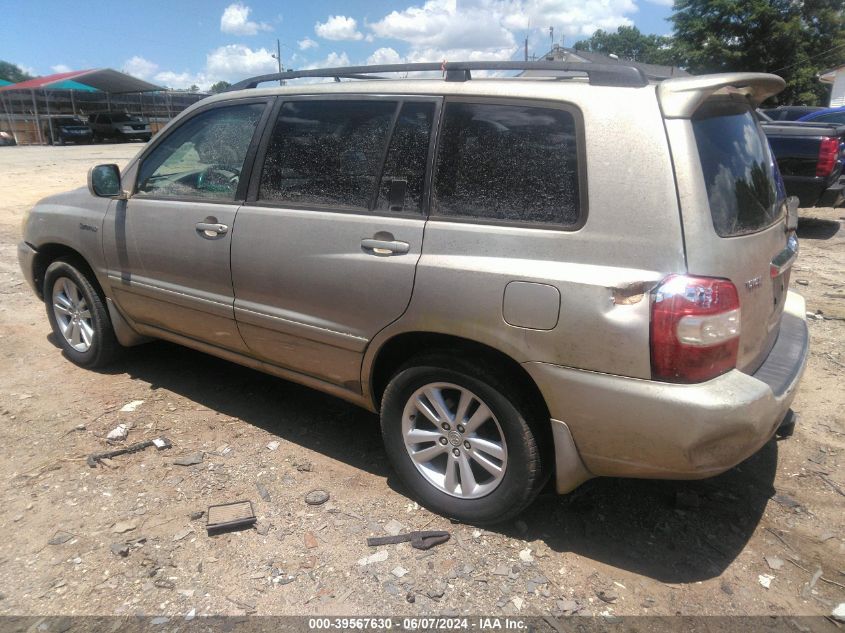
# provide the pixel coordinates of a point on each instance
(461, 440)
(78, 315)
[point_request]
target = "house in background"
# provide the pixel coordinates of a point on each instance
(652, 71)
(835, 76)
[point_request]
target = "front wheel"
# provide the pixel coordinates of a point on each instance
(78, 315)
(460, 439)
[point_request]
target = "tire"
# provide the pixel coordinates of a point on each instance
(512, 419)
(90, 341)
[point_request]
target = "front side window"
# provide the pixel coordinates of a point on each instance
(326, 152)
(509, 163)
(739, 173)
(203, 158)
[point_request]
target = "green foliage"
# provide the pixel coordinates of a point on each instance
(629, 43)
(10, 72)
(796, 40)
(220, 86)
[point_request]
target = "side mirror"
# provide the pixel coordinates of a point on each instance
(104, 182)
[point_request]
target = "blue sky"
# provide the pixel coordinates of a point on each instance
(184, 42)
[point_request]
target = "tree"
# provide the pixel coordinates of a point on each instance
(629, 43)
(795, 40)
(220, 86)
(13, 73)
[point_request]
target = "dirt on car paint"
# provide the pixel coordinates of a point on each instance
(129, 536)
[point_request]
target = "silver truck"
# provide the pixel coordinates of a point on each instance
(574, 274)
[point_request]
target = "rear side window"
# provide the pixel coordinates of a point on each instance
(326, 152)
(509, 163)
(743, 188)
(403, 177)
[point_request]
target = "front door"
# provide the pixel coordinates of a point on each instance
(329, 238)
(167, 247)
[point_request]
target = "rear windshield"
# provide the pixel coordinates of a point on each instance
(743, 185)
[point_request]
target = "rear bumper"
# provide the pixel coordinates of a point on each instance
(815, 192)
(627, 427)
(833, 196)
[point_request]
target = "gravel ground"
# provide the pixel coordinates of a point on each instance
(127, 538)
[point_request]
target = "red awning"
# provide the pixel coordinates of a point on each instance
(104, 79)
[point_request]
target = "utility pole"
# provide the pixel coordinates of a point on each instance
(278, 57)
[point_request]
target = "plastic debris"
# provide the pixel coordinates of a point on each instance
(118, 433)
(129, 407)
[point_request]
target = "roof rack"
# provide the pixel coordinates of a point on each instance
(598, 74)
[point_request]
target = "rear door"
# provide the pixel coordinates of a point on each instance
(733, 207)
(326, 245)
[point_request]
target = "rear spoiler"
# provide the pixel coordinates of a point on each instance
(680, 97)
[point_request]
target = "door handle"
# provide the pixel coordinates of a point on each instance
(385, 247)
(212, 229)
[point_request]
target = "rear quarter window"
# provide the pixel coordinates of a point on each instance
(508, 163)
(744, 189)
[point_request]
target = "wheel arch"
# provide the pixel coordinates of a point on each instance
(48, 253)
(398, 349)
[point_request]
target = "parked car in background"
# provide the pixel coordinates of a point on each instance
(7, 138)
(66, 129)
(790, 113)
(551, 326)
(811, 159)
(826, 115)
(119, 126)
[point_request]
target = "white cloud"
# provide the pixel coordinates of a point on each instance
(234, 62)
(231, 63)
(493, 29)
(575, 18)
(332, 60)
(61, 68)
(235, 20)
(181, 81)
(385, 56)
(306, 43)
(29, 70)
(139, 67)
(663, 3)
(338, 27)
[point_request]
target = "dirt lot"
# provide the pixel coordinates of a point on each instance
(613, 547)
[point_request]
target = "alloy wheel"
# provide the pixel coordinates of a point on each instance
(73, 314)
(454, 440)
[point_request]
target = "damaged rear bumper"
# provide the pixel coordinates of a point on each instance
(627, 427)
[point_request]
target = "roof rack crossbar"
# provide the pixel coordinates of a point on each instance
(598, 74)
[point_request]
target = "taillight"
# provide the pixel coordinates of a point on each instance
(694, 328)
(828, 155)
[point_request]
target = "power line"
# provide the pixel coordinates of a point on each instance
(830, 50)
